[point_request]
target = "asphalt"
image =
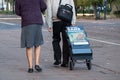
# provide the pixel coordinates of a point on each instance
(13, 62)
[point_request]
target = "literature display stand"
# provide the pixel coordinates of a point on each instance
(79, 46)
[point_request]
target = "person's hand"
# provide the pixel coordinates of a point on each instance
(50, 29)
(72, 25)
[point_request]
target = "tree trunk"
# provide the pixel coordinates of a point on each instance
(13, 6)
(7, 7)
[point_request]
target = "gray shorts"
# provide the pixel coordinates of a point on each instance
(31, 35)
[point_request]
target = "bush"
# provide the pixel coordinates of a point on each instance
(6, 12)
(117, 13)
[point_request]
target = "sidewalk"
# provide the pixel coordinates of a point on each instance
(13, 63)
(4, 17)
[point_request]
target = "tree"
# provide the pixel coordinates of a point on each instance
(83, 4)
(116, 7)
(7, 6)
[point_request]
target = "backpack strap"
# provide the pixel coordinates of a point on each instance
(60, 2)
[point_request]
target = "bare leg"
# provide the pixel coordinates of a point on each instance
(37, 55)
(29, 57)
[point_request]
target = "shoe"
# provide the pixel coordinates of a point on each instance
(64, 65)
(57, 62)
(38, 68)
(30, 70)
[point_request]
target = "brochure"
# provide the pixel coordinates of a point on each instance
(77, 36)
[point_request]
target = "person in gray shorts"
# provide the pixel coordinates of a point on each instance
(31, 29)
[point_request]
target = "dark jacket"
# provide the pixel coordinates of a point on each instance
(30, 11)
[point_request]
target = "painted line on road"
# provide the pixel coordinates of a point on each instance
(8, 23)
(107, 42)
(9, 18)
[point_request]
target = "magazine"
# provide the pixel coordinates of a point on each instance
(77, 35)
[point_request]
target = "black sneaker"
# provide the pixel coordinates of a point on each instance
(38, 68)
(57, 62)
(30, 70)
(64, 65)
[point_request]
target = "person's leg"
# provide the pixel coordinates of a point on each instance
(37, 58)
(65, 50)
(56, 42)
(29, 57)
(65, 46)
(37, 55)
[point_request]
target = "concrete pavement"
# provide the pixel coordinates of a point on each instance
(13, 63)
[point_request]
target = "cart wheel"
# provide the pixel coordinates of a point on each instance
(71, 65)
(88, 63)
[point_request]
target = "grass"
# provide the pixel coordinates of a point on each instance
(6, 12)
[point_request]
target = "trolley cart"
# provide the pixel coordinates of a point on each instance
(79, 46)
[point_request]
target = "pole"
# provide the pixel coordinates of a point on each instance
(105, 9)
(2, 5)
(75, 1)
(13, 6)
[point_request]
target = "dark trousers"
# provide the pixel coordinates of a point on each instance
(58, 34)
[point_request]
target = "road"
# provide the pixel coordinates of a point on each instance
(104, 40)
